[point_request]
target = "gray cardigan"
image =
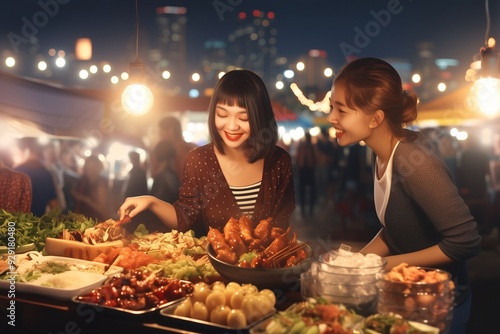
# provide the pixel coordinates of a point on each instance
(425, 209)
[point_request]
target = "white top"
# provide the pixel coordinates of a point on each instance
(382, 187)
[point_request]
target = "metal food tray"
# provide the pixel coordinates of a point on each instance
(121, 312)
(199, 326)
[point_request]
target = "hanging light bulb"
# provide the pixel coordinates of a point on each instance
(137, 98)
(484, 94)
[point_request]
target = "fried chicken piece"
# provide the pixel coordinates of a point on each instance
(257, 245)
(245, 226)
(232, 237)
(277, 244)
(276, 232)
(263, 230)
(222, 250)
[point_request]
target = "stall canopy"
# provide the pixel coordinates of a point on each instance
(450, 109)
(31, 108)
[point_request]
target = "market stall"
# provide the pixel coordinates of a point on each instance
(86, 276)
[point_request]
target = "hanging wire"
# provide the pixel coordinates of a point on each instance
(487, 33)
(137, 29)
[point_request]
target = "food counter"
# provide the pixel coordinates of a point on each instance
(42, 314)
(176, 283)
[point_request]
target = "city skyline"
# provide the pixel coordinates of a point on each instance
(387, 28)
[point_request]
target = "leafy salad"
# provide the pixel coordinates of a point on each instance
(314, 316)
(32, 229)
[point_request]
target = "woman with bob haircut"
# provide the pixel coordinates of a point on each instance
(241, 172)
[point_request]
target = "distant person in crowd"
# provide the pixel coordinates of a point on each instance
(424, 221)
(448, 150)
(15, 194)
(136, 182)
(327, 164)
(42, 184)
(306, 165)
(473, 170)
(170, 129)
(91, 192)
(52, 163)
(68, 153)
(166, 183)
(241, 172)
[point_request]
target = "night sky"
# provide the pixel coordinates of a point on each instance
(391, 28)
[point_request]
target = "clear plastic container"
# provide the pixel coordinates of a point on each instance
(430, 301)
(346, 278)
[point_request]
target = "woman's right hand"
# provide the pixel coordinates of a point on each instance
(134, 205)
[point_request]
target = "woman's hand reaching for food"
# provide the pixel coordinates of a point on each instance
(134, 205)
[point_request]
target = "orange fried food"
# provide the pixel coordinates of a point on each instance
(222, 250)
(232, 237)
(257, 245)
(276, 232)
(296, 258)
(245, 226)
(126, 258)
(277, 244)
(263, 230)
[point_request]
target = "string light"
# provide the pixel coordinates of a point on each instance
(322, 106)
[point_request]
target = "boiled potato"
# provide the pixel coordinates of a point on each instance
(249, 288)
(184, 308)
(200, 292)
(218, 286)
(251, 308)
(269, 294)
(233, 285)
(219, 315)
(199, 311)
(237, 299)
(216, 297)
(236, 319)
(264, 304)
(229, 292)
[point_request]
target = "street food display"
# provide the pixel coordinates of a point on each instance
(312, 316)
(30, 229)
(268, 257)
(318, 316)
(222, 308)
(262, 247)
(415, 293)
(56, 277)
(233, 280)
(137, 290)
(345, 277)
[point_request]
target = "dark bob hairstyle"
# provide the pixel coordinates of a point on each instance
(245, 89)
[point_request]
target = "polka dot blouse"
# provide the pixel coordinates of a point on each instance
(206, 200)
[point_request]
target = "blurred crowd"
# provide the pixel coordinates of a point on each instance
(50, 176)
(343, 176)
